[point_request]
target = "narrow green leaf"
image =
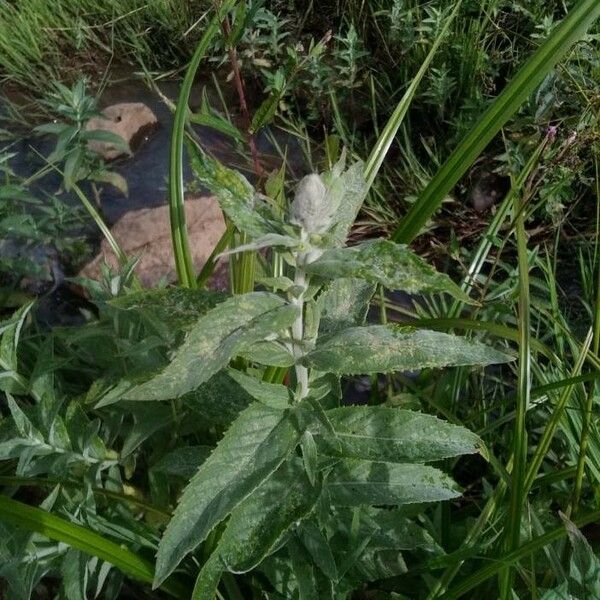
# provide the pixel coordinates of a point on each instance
(531, 74)
(181, 244)
(106, 137)
(318, 547)
(392, 265)
(266, 111)
(255, 445)
(390, 130)
(362, 482)
(384, 434)
(257, 526)
(388, 348)
(214, 340)
(79, 537)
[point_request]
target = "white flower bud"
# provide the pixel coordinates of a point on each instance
(311, 208)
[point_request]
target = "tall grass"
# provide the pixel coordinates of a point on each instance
(42, 41)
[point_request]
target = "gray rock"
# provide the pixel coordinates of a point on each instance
(133, 121)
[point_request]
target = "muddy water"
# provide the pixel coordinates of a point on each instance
(146, 172)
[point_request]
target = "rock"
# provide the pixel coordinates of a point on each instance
(132, 121)
(146, 233)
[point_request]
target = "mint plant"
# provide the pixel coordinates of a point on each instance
(301, 488)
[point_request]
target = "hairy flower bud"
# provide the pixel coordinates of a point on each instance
(311, 208)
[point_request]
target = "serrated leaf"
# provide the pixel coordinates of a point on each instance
(394, 266)
(274, 395)
(385, 434)
(237, 198)
(363, 483)
(259, 440)
(389, 348)
(214, 340)
(257, 526)
(344, 303)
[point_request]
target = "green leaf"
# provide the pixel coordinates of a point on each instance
(266, 111)
(79, 537)
(394, 266)
(172, 308)
(344, 303)
(182, 462)
(106, 137)
(347, 191)
(179, 234)
(531, 74)
(388, 348)
(256, 444)
(210, 118)
(218, 401)
(257, 526)
(318, 547)
(274, 395)
(112, 178)
(72, 167)
(236, 196)
(74, 575)
(384, 434)
(215, 339)
(268, 353)
(362, 482)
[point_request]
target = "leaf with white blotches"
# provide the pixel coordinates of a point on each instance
(389, 348)
(365, 483)
(216, 338)
(344, 303)
(394, 266)
(258, 441)
(257, 526)
(236, 196)
(394, 435)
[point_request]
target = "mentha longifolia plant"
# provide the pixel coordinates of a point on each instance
(302, 489)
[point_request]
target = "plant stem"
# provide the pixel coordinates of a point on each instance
(239, 85)
(301, 285)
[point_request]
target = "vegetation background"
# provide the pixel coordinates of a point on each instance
(516, 225)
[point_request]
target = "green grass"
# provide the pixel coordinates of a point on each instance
(41, 41)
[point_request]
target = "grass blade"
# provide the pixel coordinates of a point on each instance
(523, 83)
(517, 496)
(181, 244)
(389, 132)
(37, 520)
(494, 566)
